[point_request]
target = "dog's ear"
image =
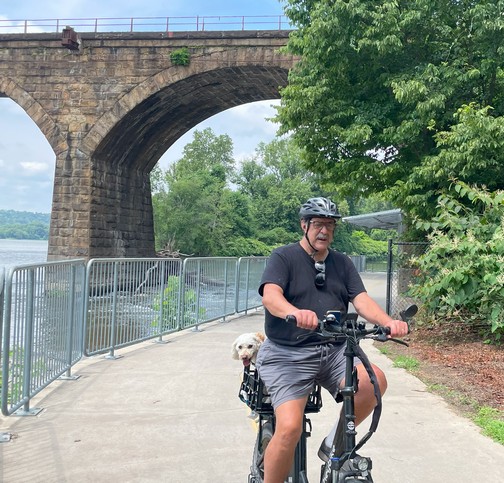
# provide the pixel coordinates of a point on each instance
(260, 336)
(234, 351)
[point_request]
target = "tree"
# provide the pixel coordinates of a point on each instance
(398, 97)
(277, 184)
(197, 212)
(194, 209)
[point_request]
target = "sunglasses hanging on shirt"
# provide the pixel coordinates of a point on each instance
(320, 277)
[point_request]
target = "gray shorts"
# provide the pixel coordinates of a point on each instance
(291, 372)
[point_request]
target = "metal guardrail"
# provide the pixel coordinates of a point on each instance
(42, 329)
(249, 276)
(56, 312)
(126, 303)
(148, 24)
(133, 300)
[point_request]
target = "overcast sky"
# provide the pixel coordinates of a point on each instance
(26, 159)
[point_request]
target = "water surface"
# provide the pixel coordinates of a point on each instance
(20, 252)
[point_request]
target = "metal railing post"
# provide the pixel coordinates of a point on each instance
(247, 284)
(198, 296)
(225, 289)
(70, 324)
(112, 338)
(389, 276)
(28, 348)
(5, 437)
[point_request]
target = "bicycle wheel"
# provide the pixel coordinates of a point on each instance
(263, 438)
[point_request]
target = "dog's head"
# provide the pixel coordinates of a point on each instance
(245, 347)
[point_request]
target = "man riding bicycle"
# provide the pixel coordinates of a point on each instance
(306, 279)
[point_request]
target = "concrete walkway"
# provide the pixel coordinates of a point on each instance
(170, 413)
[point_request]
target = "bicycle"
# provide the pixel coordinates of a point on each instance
(349, 467)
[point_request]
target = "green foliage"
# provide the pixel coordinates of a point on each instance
(277, 184)
(406, 362)
(462, 273)
(180, 56)
(197, 212)
(397, 97)
(169, 303)
(492, 422)
(363, 244)
(194, 210)
(277, 236)
(245, 247)
(23, 225)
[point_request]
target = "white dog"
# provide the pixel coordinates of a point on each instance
(246, 346)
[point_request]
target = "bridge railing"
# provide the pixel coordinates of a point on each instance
(56, 312)
(147, 24)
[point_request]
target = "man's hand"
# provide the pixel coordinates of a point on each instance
(306, 319)
(398, 328)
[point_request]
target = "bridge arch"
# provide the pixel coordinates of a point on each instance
(143, 124)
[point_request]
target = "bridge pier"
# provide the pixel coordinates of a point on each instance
(101, 212)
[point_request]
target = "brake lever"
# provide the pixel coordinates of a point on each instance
(398, 341)
(383, 337)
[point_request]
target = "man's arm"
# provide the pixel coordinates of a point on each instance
(273, 299)
(366, 307)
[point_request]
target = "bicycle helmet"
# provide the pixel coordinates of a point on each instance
(320, 208)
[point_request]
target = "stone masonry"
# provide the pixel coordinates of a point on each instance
(113, 108)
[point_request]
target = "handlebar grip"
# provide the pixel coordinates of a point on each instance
(291, 319)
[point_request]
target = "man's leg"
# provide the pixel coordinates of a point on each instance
(280, 451)
(365, 400)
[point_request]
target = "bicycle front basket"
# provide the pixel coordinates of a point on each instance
(253, 393)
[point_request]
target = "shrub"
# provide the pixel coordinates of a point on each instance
(462, 273)
(180, 57)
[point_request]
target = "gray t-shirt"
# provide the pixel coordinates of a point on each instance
(291, 268)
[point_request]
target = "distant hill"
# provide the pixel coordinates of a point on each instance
(24, 225)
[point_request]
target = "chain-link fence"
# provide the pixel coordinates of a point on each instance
(401, 273)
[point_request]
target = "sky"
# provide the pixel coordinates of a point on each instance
(26, 159)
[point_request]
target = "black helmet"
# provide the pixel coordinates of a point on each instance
(319, 208)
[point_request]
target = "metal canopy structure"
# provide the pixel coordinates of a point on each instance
(385, 220)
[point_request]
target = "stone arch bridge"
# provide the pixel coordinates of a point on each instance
(111, 109)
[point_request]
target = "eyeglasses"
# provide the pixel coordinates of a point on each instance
(320, 277)
(328, 225)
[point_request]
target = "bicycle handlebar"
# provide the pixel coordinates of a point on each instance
(332, 328)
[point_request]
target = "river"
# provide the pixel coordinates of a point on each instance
(19, 252)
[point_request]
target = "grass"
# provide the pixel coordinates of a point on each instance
(492, 422)
(406, 362)
(403, 362)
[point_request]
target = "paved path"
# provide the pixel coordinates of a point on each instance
(170, 413)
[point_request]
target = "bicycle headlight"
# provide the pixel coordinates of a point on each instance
(362, 464)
